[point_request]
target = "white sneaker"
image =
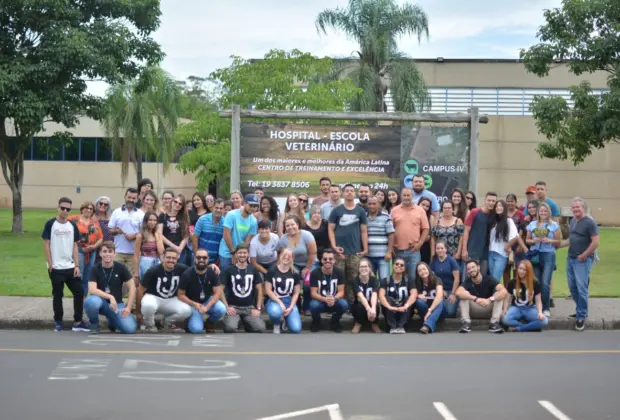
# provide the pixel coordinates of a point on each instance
(393, 330)
(547, 313)
(276, 329)
(401, 331)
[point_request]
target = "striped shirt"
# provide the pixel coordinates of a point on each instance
(209, 235)
(378, 229)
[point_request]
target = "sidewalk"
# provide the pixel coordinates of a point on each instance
(36, 313)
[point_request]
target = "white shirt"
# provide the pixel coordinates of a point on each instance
(265, 253)
(62, 237)
(498, 246)
(128, 222)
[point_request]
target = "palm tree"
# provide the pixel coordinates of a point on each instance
(141, 117)
(376, 25)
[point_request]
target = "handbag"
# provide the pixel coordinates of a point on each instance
(532, 256)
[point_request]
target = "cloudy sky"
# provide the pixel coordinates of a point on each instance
(199, 36)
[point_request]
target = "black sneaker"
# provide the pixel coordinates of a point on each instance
(580, 324)
(316, 327)
(572, 316)
(551, 303)
(337, 328)
(495, 328)
(465, 327)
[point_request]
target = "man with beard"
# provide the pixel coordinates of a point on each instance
(419, 191)
(327, 292)
(324, 184)
(158, 293)
(200, 288)
(362, 195)
(243, 294)
(240, 226)
(125, 224)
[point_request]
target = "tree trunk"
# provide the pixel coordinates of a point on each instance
(18, 214)
(138, 171)
(12, 164)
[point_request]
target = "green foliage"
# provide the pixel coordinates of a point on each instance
(48, 50)
(141, 117)
(199, 93)
(585, 33)
(376, 26)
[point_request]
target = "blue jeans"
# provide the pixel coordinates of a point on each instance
(94, 305)
(543, 272)
(225, 262)
(196, 322)
(577, 274)
(497, 265)
(145, 263)
(412, 259)
(86, 268)
(449, 309)
(380, 267)
(529, 314)
(339, 308)
(422, 307)
(293, 320)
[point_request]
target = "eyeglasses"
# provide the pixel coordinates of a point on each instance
(303, 200)
(178, 203)
(469, 198)
(63, 208)
(201, 258)
(399, 265)
(328, 259)
(103, 204)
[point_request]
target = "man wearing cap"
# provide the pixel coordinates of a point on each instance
(530, 195)
(240, 226)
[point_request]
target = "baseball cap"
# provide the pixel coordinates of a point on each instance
(530, 190)
(251, 199)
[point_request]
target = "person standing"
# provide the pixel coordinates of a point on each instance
(541, 195)
(324, 184)
(348, 236)
(240, 226)
(334, 201)
(475, 238)
(363, 194)
(125, 224)
(582, 244)
(60, 242)
(209, 231)
(106, 293)
(420, 191)
(380, 239)
(411, 227)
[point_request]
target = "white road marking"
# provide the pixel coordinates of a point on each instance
(443, 410)
(332, 409)
(142, 339)
(553, 410)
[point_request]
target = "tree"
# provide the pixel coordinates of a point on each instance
(199, 93)
(271, 83)
(140, 119)
(376, 25)
(585, 35)
(48, 51)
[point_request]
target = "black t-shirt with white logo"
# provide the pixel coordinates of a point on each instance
(326, 284)
(283, 284)
(110, 280)
(428, 291)
(240, 285)
(173, 228)
(484, 290)
(521, 298)
(398, 291)
(161, 283)
(199, 287)
(367, 289)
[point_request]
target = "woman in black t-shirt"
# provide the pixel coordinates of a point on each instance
(174, 226)
(524, 302)
(365, 308)
(318, 228)
(282, 284)
(397, 295)
(430, 297)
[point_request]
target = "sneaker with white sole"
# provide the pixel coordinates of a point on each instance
(58, 326)
(151, 329)
(276, 329)
(547, 313)
(81, 326)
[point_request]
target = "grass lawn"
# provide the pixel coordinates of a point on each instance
(23, 272)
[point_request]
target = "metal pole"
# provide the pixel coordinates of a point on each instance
(235, 149)
(474, 148)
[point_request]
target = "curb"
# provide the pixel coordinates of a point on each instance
(346, 322)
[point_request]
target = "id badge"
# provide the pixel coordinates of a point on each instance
(202, 296)
(107, 290)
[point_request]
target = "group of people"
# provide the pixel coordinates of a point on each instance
(395, 253)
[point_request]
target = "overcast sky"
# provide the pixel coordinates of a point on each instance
(199, 36)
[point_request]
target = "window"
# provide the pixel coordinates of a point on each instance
(72, 150)
(39, 149)
(104, 151)
(88, 149)
(55, 151)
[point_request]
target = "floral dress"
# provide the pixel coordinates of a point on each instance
(451, 235)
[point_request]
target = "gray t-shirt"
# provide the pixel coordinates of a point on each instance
(348, 228)
(581, 233)
(265, 253)
(300, 251)
(326, 209)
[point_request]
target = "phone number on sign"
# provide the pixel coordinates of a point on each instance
(279, 184)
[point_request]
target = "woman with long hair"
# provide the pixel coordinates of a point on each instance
(318, 227)
(459, 204)
(397, 296)
(91, 237)
(103, 210)
(197, 209)
(149, 201)
(447, 269)
(393, 199)
(543, 235)
(524, 302)
(425, 251)
(268, 210)
(292, 208)
(149, 245)
(304, 204)
(365, 309)
(517, 253)
(174, 227)
(429, 303)
(282, 284)
(166, 201)
(502, 236)
(236, 198)
(470, 200)
(264, 247)
(382, 198)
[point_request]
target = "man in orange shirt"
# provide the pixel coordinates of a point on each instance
(411, 229)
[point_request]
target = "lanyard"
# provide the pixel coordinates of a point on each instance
(107, 277)
(202, 283)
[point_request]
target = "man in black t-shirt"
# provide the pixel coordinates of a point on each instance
(483, 295)
(158, 293)
(200, 288)
(327, 292)
(105, 290)
(243, 294)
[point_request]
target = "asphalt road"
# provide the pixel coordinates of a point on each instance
(541, 376)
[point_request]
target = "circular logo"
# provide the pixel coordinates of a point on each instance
(411, 166)
(324, 282)
(391, 289)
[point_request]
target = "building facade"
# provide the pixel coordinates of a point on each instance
(508, 161)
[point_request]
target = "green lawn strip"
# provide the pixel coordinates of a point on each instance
(23, 273)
